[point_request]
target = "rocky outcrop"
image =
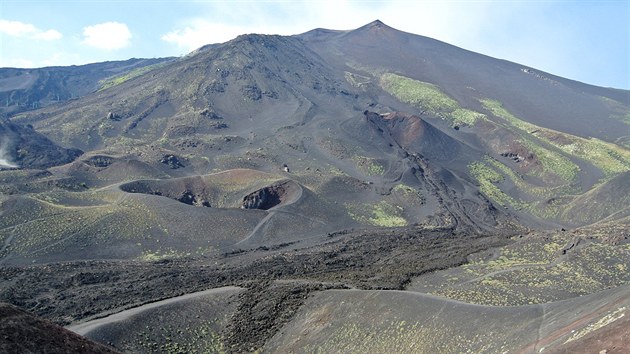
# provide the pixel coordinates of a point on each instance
(173, 162)
(264, 199)
(99, 161)
(113, 116)
(191, 199)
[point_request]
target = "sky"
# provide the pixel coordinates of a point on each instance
(585, 40)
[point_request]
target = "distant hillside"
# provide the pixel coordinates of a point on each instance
(28, 89)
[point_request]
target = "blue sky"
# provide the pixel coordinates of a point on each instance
(585, 40)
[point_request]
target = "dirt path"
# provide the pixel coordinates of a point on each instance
(252, 234)
(86, 327)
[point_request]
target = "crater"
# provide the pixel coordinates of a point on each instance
(280, 193)
(206, 191)
(192, 191)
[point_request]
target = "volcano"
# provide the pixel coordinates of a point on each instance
(285, 170)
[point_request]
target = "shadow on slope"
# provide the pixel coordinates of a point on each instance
(23, 147)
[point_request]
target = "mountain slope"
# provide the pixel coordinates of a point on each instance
(28, 89)
(536, 130)
(367, 161)
(541, 98)
(404, 321)
(379, 127)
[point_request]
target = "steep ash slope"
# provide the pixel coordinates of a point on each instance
(249, 84)
(400, 321)
(540, 139)
(541, 98)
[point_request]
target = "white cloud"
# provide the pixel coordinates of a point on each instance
(200, 33)
(108, 36)
(16, 28)
(27, 30)
(49, 35)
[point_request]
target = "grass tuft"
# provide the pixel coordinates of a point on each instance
(430, 99)
(381, 214)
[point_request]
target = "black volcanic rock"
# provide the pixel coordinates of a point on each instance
(99, 161)
(172, 161)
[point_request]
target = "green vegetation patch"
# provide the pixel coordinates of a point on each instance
(554, 201)
(379, 214)
(405, 189)
(418, 93)
(620, 111)
(542, 192)
(117, 80)
(429, 98)
(610, 158)
(498, 110)
(463, 116)
(556, 153)
(368, 166)
(552, 161)
(488, 178)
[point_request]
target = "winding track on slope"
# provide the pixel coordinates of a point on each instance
(86, 327)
